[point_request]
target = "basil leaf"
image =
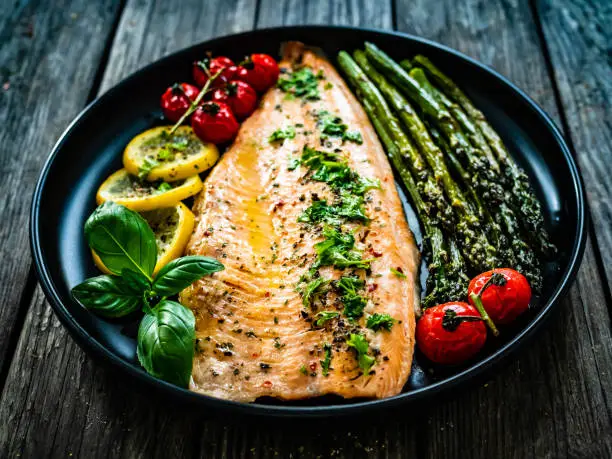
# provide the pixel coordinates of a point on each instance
(182, 272)
(166, 339)
(137, 281)
(108, 296)
(122, 239)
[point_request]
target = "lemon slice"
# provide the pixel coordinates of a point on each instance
(172, 227)
(157, 155)
(127, 190)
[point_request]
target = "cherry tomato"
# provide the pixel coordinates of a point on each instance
(214, 122)
(240, 97)
(177, 99)
(506, 295)
(450, 333)
(259, 70)
(202, 69)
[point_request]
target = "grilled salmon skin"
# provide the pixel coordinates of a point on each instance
(320, 280)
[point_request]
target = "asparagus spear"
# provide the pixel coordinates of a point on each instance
(522, 195)
(438, 207)
(512, 249)
(441, 286)
(484, 178)
(475, 244)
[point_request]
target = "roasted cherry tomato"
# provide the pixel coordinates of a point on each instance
(450, 333)
(240, 97)
(505, 294)
(259, 70)
(177, 99)
(205, 68)
(214, 122)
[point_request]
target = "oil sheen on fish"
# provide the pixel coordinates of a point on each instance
(320, 280)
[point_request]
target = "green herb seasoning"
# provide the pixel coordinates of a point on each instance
(337, 250)
(301, 83)
(398, 273)
(332, 125)
(361, 346)
(282, 134)
(349, 207)
(312, 290)
(380, 322)
(326, 362)
(321, 318)
(354, 303)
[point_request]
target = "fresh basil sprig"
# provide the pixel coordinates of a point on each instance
(126, 245)
(122, 239)
(165, 342)
(182, 272)
(108, 296)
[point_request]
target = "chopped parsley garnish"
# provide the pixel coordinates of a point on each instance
(304, 370)
(282, 134)
(354, 303)
(301, 83)
(294, 163)
(337, 250)
(328, 85)
(146, 167)
(332, 125)
(164, 186)
(350, 207)
(326, 362)
(380, 322)
(361, 346)
(332, 169)
(353, 136)
(321, 318)
(312, 290)
(398, 273)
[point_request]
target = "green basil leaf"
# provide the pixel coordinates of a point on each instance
(166, 339)
(122, 239)
(136, 280)
(108, 296)
(182, 272)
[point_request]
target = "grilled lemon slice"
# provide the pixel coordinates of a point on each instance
(127, 190)
(172, 227)
(157, 155)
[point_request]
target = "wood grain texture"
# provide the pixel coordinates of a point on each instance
(579, 39)
(554, 400)
(61, 403)
(45, 79)
(364, 13)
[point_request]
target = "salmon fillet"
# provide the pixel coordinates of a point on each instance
(255, 335)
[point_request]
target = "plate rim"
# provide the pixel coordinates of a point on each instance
(93, 346)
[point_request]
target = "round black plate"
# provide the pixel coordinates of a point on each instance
(91, 148)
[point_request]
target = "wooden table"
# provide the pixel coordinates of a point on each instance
(554, 400)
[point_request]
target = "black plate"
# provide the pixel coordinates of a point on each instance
(91, 148)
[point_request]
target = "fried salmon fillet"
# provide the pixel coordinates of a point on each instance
(259, 327)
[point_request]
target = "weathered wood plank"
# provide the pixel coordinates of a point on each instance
(45, 79)
(554, 400)
(579, 39)
(337, 12)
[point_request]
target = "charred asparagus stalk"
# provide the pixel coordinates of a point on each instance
(438, 209)
(523, 198)
(447, 280)
(484, 178)
(475, 245)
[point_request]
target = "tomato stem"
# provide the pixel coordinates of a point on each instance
(485, 317)
(194, 105)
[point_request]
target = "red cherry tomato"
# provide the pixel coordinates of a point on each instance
(177, 99)
(259, 70)
(450, 333)
(505, 297)
(240, 97)
(214, 122)
(202, 69)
